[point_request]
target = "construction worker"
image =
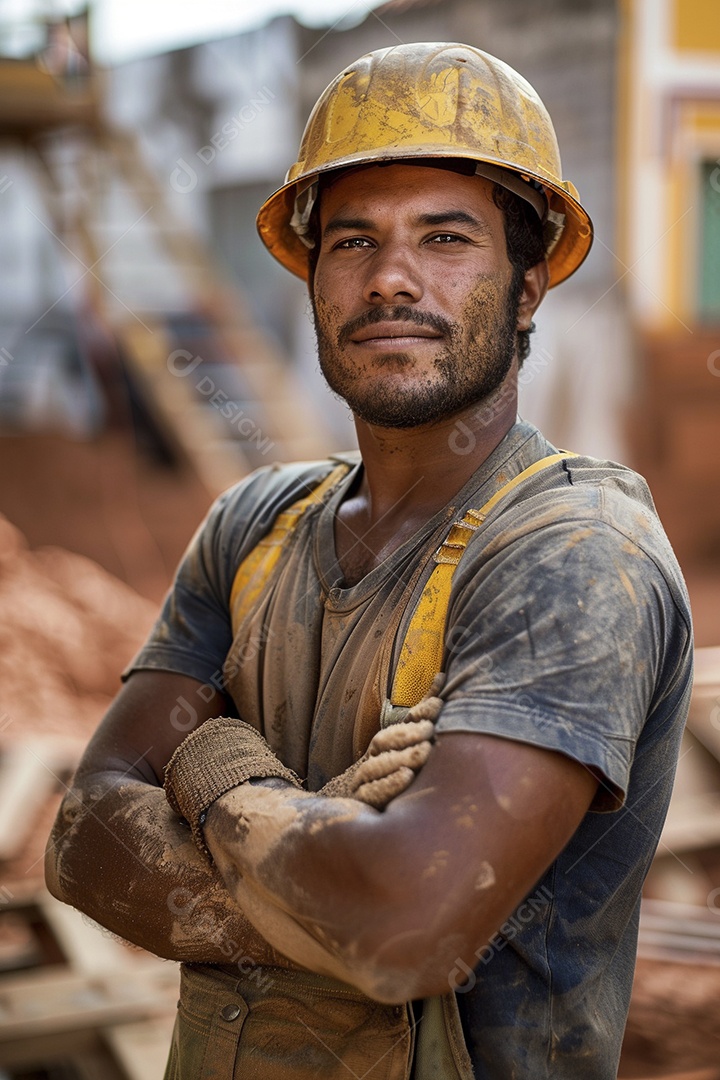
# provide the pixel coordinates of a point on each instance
(367, 870)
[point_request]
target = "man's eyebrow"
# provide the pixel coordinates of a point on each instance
(439, 218)
(453, 217)
(347, 224)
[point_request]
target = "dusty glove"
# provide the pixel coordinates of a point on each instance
(393, 758)
(216, 757)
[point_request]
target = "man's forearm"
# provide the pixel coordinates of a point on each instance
(119, 854)
(390, 901)
(250, 812)
(315, 901)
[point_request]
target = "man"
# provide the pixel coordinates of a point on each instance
(466, 908)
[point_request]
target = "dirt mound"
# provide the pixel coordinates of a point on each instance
(67, 629)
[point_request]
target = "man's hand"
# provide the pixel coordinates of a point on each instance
(394, 757)
(218, 756)
(225, 752)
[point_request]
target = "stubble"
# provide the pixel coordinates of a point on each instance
(474, 358)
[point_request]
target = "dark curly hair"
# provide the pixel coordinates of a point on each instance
(523, 239)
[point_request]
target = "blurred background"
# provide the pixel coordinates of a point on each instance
(152, 353)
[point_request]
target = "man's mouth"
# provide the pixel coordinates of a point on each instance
(393, 332)
(398, 323)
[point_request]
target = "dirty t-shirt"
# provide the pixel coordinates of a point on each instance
(568, 628)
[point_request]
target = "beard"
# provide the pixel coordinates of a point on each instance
(476, 356)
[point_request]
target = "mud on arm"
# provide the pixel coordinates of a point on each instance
(121, 855)
(388, 901)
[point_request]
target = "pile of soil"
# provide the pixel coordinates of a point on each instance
(67, 630)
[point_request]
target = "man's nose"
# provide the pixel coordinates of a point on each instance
(393, 277)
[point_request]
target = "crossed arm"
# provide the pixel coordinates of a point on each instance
(119, 853)
(387, 901)
(390, 901)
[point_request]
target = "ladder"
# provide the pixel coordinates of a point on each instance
(220, 391)
(216, 388)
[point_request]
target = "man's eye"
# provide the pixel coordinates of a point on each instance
(352, 242)
(447, 238)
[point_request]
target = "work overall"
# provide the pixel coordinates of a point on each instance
(283, 1023)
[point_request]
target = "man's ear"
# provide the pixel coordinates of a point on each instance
(534, 288)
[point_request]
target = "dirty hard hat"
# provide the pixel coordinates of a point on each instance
(422, 101)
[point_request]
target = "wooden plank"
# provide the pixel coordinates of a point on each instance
(192, 428)
(29, 773)
(48, 1001)
(703, 1074)
(91, 1058)
(683, 933)
(704, 717)
(694, 824)
(142, 1048)
(45, 1002)
(88, 948)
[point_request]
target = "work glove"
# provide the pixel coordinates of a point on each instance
(393, 758)
(218, 756)
(225, 752)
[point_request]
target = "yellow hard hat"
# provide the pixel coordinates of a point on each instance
(431, 100)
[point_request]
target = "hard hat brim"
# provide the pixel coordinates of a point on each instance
(568, 254)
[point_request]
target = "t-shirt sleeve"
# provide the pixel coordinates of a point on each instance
(193, 633)
(556, 639)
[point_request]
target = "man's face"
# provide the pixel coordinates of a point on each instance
(413, 312)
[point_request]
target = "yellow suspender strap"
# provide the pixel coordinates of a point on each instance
(422, 650)
(256, 567)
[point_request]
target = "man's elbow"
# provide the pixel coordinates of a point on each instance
(52, 878)
(67, 857)
(403, 964)
(55, 880)
(393, 986)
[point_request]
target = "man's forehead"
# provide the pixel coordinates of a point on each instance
(403, 181)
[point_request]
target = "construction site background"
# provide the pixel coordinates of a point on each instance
(152, 353)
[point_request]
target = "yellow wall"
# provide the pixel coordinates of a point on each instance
(696, 25)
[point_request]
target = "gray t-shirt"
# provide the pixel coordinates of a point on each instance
(568, 628)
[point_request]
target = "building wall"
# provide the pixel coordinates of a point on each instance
(669, 233)
(670, 176)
